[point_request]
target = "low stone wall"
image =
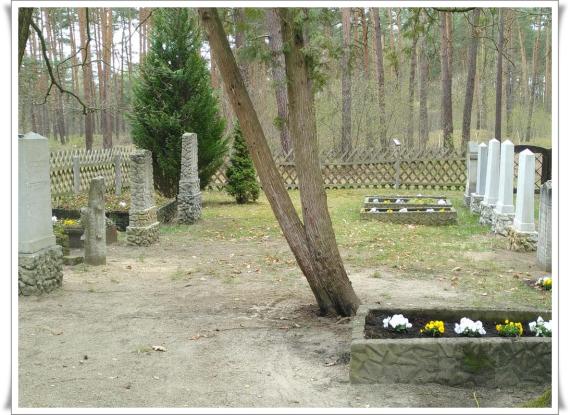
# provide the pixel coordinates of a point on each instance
(457, 361)
(436, 218)
(40, 272)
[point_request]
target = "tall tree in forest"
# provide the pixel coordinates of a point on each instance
(380, 74)
(424, 82)
(470, 85)
(107, 47)
(25, 15)
(279, 79)
(85, 38)
(499, 82)
(509, 86)
(346, 127)
(446, 104)
(548, 67)
(173, 95)
(238, 17)
(312, 242)
(524, 65)
(411, 88)
(534, 79)
(365, 52)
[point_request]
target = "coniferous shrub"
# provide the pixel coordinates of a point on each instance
(173, 95)
(242, 180)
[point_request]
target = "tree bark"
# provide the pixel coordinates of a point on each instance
(524, 65)
(532, 95)
(107, 46)
(470, 86)
(346, 128)
(424, 83)
(446, 103)
(548, 70)
(239, 23)
(380, 74)
(338, 299)
(365, 43)
(510, 81)
(24, 19)
(411, 89)
(499, 82)
(87, 74)
(279, 78)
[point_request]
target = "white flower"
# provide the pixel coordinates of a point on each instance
(122, 204)
(376, 200)
(540, 327)
(399, 201)
(397, 322)
(54, 219)
(441, 202)
(467, 326)
(373, 210)
(429, 210)
(403, 210)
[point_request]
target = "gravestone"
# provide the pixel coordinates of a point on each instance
(522, 234)
(477, 197)
(544, 248)
(470, 185)
(504, 211)
(491, 183)
(94, 224)
(189, 196)
(40, 260)
(143, 229)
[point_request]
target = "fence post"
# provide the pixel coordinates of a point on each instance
(76, 175)
(118, 175)
(397, 154)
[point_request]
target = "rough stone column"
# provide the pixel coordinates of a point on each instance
(189, 196)
(471, 182)
(491, 183)
(522, 235)
(94, 224)
(143, 229)
(477, 197)
(544, 248)
(40, 260)
(504, 211)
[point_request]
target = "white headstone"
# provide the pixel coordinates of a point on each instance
(524, 211)
(35, 229)
(481, 168)
(492, 176)
(506, 175)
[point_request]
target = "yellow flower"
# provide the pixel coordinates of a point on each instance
(389, 211)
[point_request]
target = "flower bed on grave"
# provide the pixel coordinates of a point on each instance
(398, 202)
(116, 208)
(429, 349)
(412, 215)
(69, 233)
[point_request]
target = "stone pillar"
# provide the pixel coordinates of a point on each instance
(40, 260)
(93, 222)
(491, 183)
(504, 211)
(477, 197)
(544, 248)
(189, 196)
(471, 183)
(522, 235)
(143, 229)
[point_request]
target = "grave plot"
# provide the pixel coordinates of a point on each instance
(380, 355)
(418, 210)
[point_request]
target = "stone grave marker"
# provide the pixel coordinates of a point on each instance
(189, 196)
(40, 263)
(504, 211)
(143, 229)
(471, 183)
(522, 234)
(477, 196)
(491, 183)
(93, 222)
(544, 248)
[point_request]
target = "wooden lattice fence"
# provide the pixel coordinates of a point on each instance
(93, 163)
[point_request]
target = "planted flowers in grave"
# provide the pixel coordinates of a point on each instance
(419, 210)
(470, 347)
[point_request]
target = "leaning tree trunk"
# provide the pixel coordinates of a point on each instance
(346, 127)
(380, 75)
(331, 296)
(470, 86)
(279, 78)
(499, 83)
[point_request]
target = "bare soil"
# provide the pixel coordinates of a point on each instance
(238, 324)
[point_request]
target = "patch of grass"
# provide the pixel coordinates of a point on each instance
(143, 349)
(543, 401)
(180, 274)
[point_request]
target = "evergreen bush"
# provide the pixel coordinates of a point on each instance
(242, 180)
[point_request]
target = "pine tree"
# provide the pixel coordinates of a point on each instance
(242, 181)
(173, 95)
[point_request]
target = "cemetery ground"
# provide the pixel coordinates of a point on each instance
(236, 319)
